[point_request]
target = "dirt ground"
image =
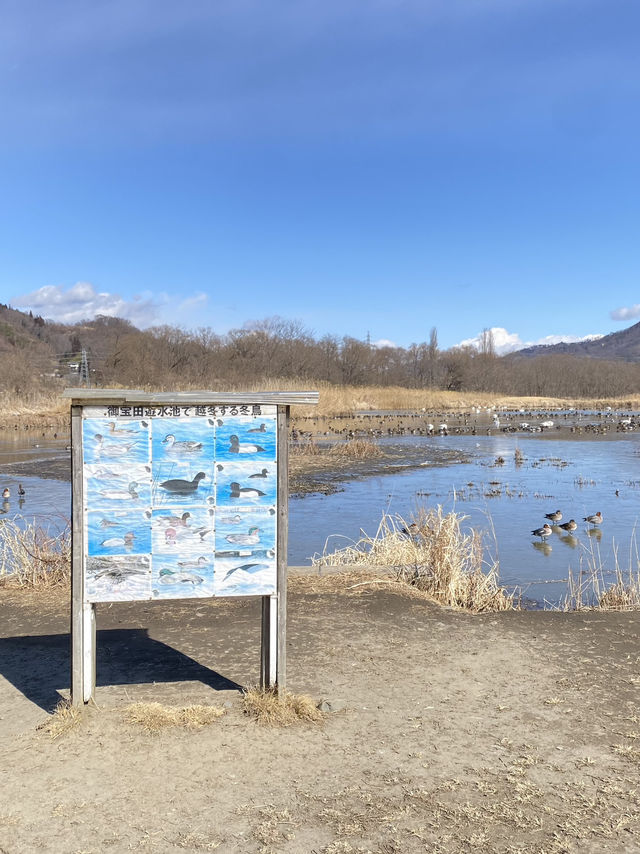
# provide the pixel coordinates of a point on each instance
(509, 732)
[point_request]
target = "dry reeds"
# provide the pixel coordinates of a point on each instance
(269, 709)
(589, 588)
(432, 554)
(34, 556)
(154, 717)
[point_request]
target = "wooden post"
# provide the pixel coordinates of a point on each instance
(83, 622)
(282, 539)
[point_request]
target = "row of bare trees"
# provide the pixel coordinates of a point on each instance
(279, 349)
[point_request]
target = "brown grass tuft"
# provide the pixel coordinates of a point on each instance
(267, 708)
(31, 556)
(433, 554)
(63, 720)
(154, 717)
(590, 588)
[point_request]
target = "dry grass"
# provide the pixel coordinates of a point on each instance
(353, 449)
(32, 556)
(593, 589)
(267, 708)
(433, 554)
(62, 721)
(154, 717)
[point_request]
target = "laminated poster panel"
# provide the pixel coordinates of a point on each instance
(179, 501)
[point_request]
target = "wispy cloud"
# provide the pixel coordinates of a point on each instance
(508, 342)
(625, 312)
(83, 302)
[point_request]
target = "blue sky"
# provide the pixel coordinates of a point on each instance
(376, 168)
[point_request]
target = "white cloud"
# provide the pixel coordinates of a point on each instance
(198, 300)
(383, 342)
(83, 302)
(508, 342)
(625, 313)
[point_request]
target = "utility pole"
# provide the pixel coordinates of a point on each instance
(84, 369)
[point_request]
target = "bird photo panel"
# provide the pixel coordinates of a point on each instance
(179, 501)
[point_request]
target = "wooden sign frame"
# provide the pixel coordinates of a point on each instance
(83, 611)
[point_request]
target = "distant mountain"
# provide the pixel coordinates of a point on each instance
(621, 346)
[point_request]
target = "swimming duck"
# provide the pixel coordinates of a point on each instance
(193, 564)
(183, 487)
(596, 519)
(117, 542)
(6, 493)
(238, 491)
(248, 539)
(263, 473)
(236, 447)
(231, 520)
(112, 450)
(261, 429)
(554, 517)
(21, 490)
(170, 576)
(114, 430)
(176, 521)
(181, 447)
(543, 532)
(250, 568)
(120, 494)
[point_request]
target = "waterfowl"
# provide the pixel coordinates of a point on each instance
(555, 517)
(6, 493)
(238, 491)
(193, 564)
(119, 574)
(236, 447)
(120, 494)
(570, 526)
(543, 532)
(119, 431)
(261, 429)
(263, 473)
(21, 490)
(250, 568)
(596, 519)
(117, 542)
(170, 536)
(112, 450)
(170, 576)
(176, 521)
(183, 487)
(181, 447)
(231, 520)
(248, 539)
(108, 523)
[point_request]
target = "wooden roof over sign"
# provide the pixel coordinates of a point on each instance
(98, 396)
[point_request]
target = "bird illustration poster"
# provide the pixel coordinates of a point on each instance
(179, 501)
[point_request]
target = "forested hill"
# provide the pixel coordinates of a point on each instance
(42, 356)
(623, 345)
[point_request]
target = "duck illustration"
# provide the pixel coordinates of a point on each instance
(248, 539)
(181, 447)
(113, 449)
(238, 491)
(193, 564)
(569, 526)
(120, 494)
(596, 519)
(236, 447)
(554, 517)
(114, 430)
(261, 429)
(176, 521)
(108, 523)
(117, 542)
(543, 532)
(183, 487)
(119, 574)
(231, 520)
(263, 473)
(249, 568)
(170, 576)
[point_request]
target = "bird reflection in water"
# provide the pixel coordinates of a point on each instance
(4, 508)
(569, 540)
(596, 533)
(543, 547)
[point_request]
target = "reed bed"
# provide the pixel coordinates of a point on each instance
(33, 556)
(593, 588)
(353, 449)
(433, 554)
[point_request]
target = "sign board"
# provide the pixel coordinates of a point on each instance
(178, 495)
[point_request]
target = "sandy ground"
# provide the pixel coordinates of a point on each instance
(510, 732)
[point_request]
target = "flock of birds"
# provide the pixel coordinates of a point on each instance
(555, 518)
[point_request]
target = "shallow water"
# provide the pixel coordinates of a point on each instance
(579, 477)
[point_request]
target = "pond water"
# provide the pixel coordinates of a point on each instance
(507, 500)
